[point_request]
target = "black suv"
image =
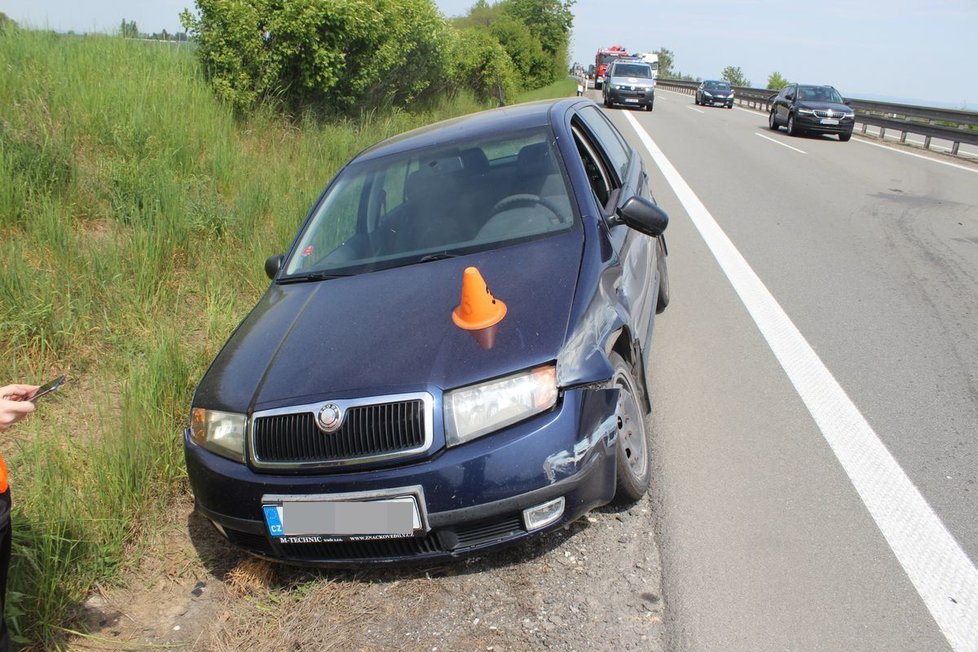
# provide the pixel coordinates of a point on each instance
(819, 109)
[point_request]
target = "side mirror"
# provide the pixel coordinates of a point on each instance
(273, 264)
(847, 102)
(643, 215)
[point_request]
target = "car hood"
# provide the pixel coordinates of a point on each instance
(824, 106)
(633, 81)
(391, 331)
(718, 91)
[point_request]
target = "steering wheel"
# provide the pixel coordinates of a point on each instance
(525, 198)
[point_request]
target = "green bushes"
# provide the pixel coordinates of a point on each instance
(328, 55)
(334, 57)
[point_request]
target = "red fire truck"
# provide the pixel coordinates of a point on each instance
(604, 57)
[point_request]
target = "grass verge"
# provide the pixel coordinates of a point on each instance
(135, 215)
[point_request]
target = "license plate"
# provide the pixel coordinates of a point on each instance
(829, 121)
(338, 520)
(631, 100)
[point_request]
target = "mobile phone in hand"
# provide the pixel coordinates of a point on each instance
(47, 388)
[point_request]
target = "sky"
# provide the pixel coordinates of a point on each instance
(918, 51)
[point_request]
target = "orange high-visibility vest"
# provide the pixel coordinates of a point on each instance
(3, 475)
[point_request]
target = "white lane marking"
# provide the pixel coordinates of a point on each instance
(692, 109)
(939, 569)
(926, 158)
(778, 142)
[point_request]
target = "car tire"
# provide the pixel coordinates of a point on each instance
(792, 129)
(696, 100)
(633, 465)
(845, 137)
(663, 300)
(648, 107)
(772, 122)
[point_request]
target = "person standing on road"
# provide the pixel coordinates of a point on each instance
(14, 406)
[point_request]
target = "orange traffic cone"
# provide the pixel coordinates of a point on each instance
(478, 309)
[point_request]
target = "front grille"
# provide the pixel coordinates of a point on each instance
(359, 550)
(830, 114)
(368, 431)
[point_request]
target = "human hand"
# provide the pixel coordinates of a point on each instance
(14, 405)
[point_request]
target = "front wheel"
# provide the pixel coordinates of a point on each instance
(648, 107)
(845, 137)
(772, 123)
(633, 467)
(792, 129)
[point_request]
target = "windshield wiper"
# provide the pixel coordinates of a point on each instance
(311, 276)
(442, 256)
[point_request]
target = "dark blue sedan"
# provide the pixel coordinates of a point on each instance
(452, 355)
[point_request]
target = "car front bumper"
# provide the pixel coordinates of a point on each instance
(471, 497)
(816, 124)
(713, 101)
(642, 97)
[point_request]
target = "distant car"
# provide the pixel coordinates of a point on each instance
(451, 357)
(811, 109)
(630, 82)
(712, 92)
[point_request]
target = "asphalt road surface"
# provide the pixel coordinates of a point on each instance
(816, 387)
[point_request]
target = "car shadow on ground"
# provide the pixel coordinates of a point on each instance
(801, 137)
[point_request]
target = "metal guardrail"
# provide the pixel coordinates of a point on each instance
(946, 124)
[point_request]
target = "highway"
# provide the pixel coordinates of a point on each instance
(815, 387)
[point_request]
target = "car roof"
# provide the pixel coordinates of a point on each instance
(474, 125)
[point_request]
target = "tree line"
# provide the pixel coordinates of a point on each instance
(344, 55)
(732, 74)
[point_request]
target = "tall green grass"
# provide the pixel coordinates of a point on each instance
(135, 215)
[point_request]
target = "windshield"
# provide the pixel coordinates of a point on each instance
(717, 86)
(819, 94)
(425, 204)
(632, 70)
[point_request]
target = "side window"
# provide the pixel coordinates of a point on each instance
(789, 93)
(597, 174)
(608, 139)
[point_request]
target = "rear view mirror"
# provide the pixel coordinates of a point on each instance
(644, 216)
(273, 264)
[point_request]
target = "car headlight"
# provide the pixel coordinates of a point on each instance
(222, 433)
(806, 111)
(612, 87)
(474, 411)
(708, 93)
